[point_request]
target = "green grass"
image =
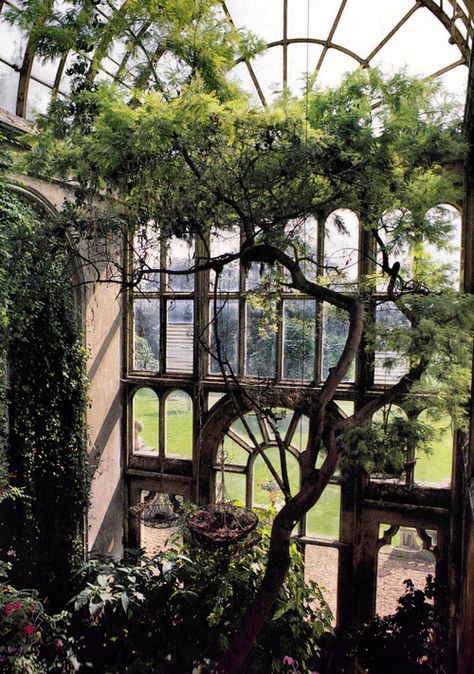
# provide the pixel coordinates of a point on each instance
(178, 422)
(435, 468)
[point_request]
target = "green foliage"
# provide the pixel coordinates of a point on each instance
(46, 400)
(183, 606)
(380, 447)
(409, 641)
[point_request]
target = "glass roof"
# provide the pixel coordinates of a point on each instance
(321, 39)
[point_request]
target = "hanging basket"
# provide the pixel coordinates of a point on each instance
(157, 513)
(220, 524)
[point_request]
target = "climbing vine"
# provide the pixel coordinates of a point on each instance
(43, 403)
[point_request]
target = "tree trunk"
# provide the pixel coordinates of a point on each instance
(232, 662)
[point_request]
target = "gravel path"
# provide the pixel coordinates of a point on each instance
(321, 566)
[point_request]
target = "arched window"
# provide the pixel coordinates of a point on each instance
(146, 419)
(178, 425)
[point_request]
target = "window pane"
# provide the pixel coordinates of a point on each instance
(180, 256)
(179, 336)
(390, 365)
(146, 350)
(435, 468)
(341, 245)
(335, 331)
(223, 242)
(265, 491)
(299, 331)
(282, 421)
(234, 453)
(322, 520)
(234, 488)
(260, 337)
(147, 256)
(179, 425)
(300, 436)
(254, 428)
(145, 422)
(226, 326)
(448, 253)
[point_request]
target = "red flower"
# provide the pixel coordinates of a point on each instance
(28, 629)
(8, 609)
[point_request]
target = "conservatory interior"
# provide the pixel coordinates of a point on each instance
(237, 269)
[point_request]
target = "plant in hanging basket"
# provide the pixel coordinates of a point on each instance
(220, 524)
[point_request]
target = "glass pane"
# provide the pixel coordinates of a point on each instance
(179, 425)
(447, 254)
(390, 365)
(179, 336)
(180, 257)
(322, 520)
(404, 558)
(213, 398)
(223, 242)
(299, 331)
(265, 490)
(335, 331)
(321, 565)
(397, 250)
(145, 422)
(234, 486)
(147, 256)
(254, 429)
(300, 436)
(234, 453)
(341, 244)
(435, 468)
(153, 540)
(226, 326)
(260, 338)
(281, 420)
(146, 352)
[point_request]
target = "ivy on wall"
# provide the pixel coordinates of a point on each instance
(44, 401)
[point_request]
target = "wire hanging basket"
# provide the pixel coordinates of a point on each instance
(221, 523)
(158, 511)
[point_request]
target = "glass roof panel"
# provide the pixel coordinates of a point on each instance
(268, 69)
(12, 42)
(344, 33)
(45, 71)
(333, 68)
(38, 99)
(365, 23)
(8, 87)
(321, 18)
(404, 48)
(263, 18)
(301, 58)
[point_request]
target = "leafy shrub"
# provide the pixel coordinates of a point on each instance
(409, 641)
(178, 611)
(31, 641)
